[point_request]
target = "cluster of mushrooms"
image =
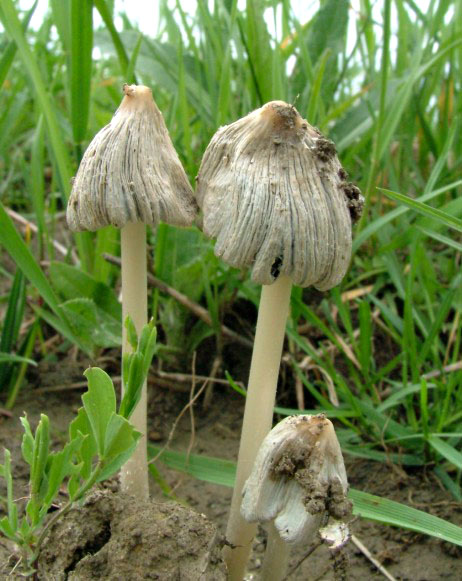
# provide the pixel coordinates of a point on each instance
(273, 194)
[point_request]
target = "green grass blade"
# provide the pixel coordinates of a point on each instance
(10, 21)
(106, 15)
(394, 513)
(25, 260)
(81, 65)
(366, 505)
(425, 209)
(446, 450)
(10, 51)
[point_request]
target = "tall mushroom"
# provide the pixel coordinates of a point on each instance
(277, 200)
(131, 176)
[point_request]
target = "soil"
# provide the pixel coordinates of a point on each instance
(164, 541)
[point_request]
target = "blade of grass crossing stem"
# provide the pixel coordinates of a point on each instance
(81, 67)
(10, 21)
(366, 505)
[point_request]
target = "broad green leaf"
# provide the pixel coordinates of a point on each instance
(60, 467)
(71, 282)
(80, 426)
(121, 440)
(7, 529)
(119, 436)
(92, 326)
(99, 403)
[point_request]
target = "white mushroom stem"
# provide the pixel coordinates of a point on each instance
(258, 413)
(134, 473)
(276, 559)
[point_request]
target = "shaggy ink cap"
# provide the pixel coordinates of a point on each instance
(131, 171)
(276, 198)
(298, 481)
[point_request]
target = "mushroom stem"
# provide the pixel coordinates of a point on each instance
(258, 413)
(134, 473)
(276, 556)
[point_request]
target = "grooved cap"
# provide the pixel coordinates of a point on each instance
(277, 200)
(131, 171)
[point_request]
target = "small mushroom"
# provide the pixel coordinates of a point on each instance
(298, 482)
(131, 176)
(275, 197)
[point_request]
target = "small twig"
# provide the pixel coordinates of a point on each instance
(24, 222)
(365, 551)
(186, 378)
(6, 413)
(175, 423)
(199, 311)
(311, 550)
(209, 391)
(457, 366)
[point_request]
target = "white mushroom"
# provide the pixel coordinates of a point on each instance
(298, 481)
(275, 197)
(131, 176)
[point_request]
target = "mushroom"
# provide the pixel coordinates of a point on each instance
(275, 197)
(297, 482)
(131, 176)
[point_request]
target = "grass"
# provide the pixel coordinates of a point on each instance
(387, 342)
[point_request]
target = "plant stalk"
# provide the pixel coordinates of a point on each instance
(258, 413)
(276, 559)
(134, 473)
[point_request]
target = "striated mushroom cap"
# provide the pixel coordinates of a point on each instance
(298, 480)
(131, 171)
(274, 195)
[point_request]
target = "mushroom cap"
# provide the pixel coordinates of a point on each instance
(298, 478)
(275, 197)
(131, 171)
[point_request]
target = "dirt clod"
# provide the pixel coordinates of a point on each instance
(114, 536)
